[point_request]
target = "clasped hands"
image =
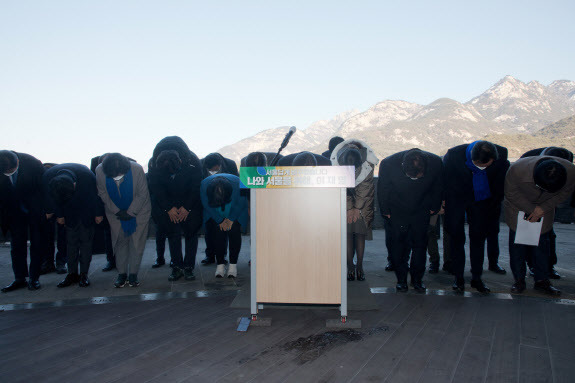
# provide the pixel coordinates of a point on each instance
(178, 215)
(353, 215)
(226, 225)
(62, 221)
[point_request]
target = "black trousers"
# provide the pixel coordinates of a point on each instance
(174, 231)
(221, 239)
(388, 239)
(409, 236)
(552, 252)
(539, 255)
(432, 237)
(19, 228)
(55, 234)
(79, 239)
(482, 221)
(210, 243)
(161, 237)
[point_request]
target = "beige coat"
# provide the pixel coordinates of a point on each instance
(140, 207)
(521, 193)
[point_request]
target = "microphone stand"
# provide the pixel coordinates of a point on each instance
(276, 157)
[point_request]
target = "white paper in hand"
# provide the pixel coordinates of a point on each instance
(527, 232)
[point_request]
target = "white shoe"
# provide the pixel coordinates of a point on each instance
(220, 271)
(232, 270)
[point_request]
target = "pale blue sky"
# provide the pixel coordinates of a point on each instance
(79, 78)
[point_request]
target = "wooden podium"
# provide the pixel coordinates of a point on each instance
(298, 235)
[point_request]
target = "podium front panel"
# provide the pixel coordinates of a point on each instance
(299, 245)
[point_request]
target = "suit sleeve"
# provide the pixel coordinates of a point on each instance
(436, 192)
(514, 194)
(192, 201)
(103, 192)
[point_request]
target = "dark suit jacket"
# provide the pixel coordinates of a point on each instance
(403, 197)
(85, 203)
(181, 189)
(228, 167)
(176, 143)
(26, 193)
(459, 179)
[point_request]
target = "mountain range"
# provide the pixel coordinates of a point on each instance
(522, 115)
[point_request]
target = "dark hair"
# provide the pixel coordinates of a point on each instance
(414, 163)
(335, 141)
(115, 164)
(256, 159)
(219, 192)
(555, 151)
(483, 152)
(61, 188)
(304, 159)
(349, 156)
(550, 175)
(169, 161)
(8, 160)
(213, 159)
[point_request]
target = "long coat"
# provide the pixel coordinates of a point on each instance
(521, 193)
(361, 197)
(140, 207)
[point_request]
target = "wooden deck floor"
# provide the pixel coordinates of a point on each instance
(409, 338)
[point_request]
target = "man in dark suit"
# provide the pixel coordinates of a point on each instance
(553, 151)
(410, 188)
(177, 208)
(104, 226)
(71, 195)
(54, 233)
(474, 176)
(215, 163)
(23, 213)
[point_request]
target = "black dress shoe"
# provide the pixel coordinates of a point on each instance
(61, 269)
(546, 287)
(208, 261)
(480, 286)
(159, 262)
(401, 287)
(389, 267)
(17, 284)
(47, 268)
(419, 287)
(84, 281)
(351, 274)
(360, 275)
(518, 287)
(69, 280)
(458, 285)
(553, 274)
(176, 274)
(34, 284)
(497, 269)
(433, 268)
(109, 266)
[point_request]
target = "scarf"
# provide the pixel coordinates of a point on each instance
(122, 197)
(480, 181)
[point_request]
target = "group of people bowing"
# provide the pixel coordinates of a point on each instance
(471, 183)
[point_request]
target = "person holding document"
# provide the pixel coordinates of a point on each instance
(534, 186)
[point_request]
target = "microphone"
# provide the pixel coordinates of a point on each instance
(283, 145)
(287, 137)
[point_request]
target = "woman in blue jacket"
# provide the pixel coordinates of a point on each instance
(225, 211)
